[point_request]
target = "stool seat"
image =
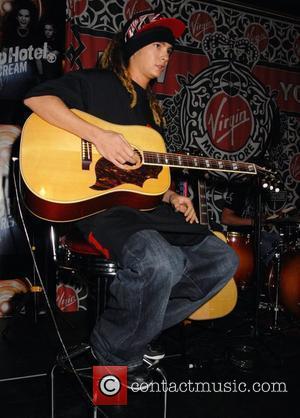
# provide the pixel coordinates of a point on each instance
(80, 246)
(75, 243)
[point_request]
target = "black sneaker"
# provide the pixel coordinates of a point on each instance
(154, 352)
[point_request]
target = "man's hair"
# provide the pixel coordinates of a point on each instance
(113, 59)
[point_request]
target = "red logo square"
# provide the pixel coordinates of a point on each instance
(110, 385)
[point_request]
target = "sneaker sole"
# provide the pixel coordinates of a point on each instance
(154, 357)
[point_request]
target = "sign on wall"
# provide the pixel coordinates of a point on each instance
(232, 86)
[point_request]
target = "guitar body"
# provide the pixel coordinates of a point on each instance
(222, 303)
(60, 184)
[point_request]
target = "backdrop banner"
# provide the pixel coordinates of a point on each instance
(231, 89)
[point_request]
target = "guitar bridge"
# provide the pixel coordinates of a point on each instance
(86, 154)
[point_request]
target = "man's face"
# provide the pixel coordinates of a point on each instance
(48, 31)
(151, 60)
(23, 18)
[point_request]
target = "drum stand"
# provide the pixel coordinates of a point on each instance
(257, 253)
(277, 258)
(246, 355)
(258, 270)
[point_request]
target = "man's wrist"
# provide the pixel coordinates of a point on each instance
(171, 194)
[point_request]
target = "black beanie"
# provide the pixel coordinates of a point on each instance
(148, 37)
(147, 27)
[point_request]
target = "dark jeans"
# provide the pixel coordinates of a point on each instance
(158, 286)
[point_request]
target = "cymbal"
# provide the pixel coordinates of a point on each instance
(284, 221)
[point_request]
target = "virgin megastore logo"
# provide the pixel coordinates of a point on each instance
(223, 112)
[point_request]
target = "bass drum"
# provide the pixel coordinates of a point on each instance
(242, 245)
(289, 284)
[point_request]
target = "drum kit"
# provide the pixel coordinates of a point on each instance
(283, 274)
(281, 277)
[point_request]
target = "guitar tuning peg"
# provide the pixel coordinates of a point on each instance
(265, 184)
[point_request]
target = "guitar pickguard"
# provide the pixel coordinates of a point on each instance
(109, 176)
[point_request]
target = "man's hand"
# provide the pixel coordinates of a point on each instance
(114, 147)
(184, 205)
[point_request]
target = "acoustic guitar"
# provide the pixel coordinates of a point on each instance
(64, 178)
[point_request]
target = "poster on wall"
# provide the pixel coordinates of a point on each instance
(31, 50)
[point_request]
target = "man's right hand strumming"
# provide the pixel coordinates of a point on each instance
(114, 147)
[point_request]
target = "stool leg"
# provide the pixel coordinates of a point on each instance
(95, 409)
(52, 394)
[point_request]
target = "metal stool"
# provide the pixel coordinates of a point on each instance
(80, 256)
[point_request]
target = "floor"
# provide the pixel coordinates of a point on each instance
(218, 360)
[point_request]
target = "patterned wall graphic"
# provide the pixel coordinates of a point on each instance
(232, 87)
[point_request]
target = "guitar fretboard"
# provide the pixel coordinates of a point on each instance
(200, 163)
(203, 215)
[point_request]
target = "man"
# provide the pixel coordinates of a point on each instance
(238, 214)
(169, 264)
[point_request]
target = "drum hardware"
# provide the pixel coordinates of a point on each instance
(242, 244)
(288, 286)
(287, 220)
(277, 257)
(284, 272)
(257, 331)
(256, 266)
(255, 256)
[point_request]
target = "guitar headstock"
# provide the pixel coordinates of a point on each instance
(270, 179)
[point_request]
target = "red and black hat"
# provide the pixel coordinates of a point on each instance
(147, 27)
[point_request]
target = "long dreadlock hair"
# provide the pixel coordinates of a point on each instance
(113, 59)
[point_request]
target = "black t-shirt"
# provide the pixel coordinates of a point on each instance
(102, 94)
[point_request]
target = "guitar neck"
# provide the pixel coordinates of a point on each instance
(198, 163)
(203, 215)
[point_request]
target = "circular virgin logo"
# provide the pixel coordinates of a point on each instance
(135, 6)
(201, 24)
(66, 298)
(258, 36)
(228, 121)
(216, 108)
